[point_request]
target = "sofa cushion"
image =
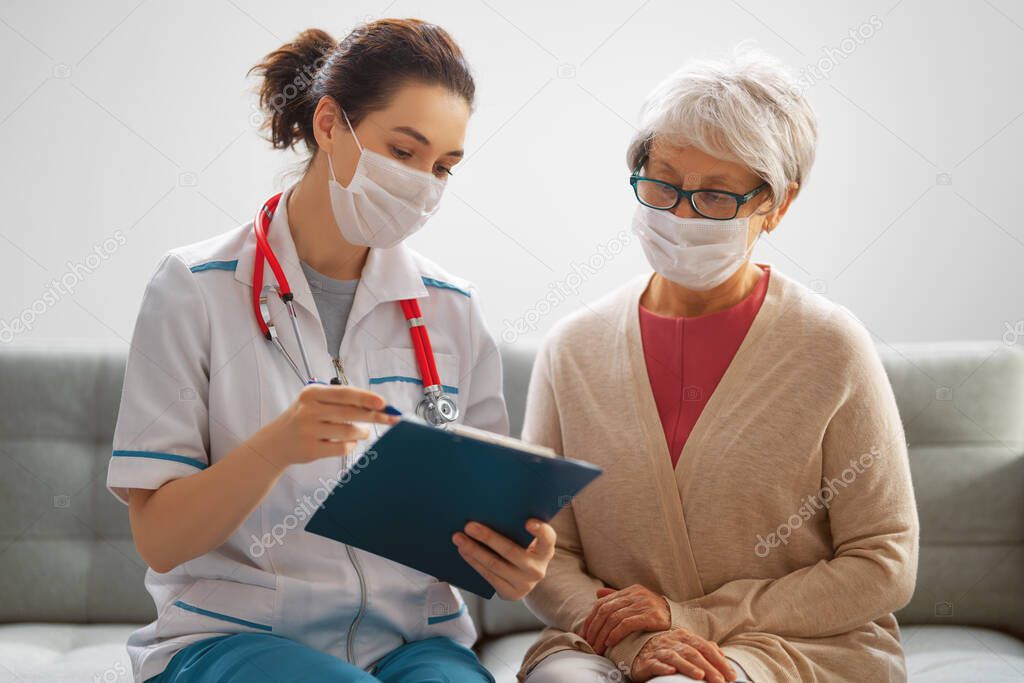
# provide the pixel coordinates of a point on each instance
(499, 617)
(958, 392)
(502, 656)
(935, 654)
(65, 653)
(955, 654)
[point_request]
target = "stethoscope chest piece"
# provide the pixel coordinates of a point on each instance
(437, 408)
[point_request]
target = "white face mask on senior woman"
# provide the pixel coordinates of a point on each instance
(697, 253)
(385, 201)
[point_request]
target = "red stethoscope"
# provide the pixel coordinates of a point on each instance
(436, 407)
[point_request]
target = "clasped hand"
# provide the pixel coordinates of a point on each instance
(617, 613)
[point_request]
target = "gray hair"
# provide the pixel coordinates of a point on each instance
(748, 110)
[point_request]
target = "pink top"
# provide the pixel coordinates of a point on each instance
(687, 356)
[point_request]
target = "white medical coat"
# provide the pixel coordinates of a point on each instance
(201, 379)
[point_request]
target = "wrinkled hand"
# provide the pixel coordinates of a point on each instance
(617, 613)
(510, 568)
(681, 651)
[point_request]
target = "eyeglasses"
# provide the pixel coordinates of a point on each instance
(717, 205)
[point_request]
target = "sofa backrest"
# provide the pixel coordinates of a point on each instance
(962, 406)
(66, 552)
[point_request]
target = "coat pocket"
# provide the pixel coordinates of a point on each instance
(218, 606)
(445, 614)
(394, 374)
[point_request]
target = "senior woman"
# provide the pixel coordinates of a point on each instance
(756, 520)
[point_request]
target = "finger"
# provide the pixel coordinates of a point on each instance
(500, 584)
(650, 667)
(610, 594)
(317, 444)
(603, 611)
(714, 655)
(346, 396)
(345, 431)
(711, 674)
(504, 587)
(604, 592)
(680, 664)
(335, 413)
(544, 537)
(593, 625)
(601, 599)
(628, 625)
(502, 545)
(612, 622)
(628, 610)
(582, 630)
(722, 652)
(486, 558)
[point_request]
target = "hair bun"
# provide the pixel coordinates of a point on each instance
(284, 94)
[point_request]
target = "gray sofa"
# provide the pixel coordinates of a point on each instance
(72, 582)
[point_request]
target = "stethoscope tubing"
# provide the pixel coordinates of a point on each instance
(432, 387)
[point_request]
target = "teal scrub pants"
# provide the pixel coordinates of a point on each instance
(267, 658)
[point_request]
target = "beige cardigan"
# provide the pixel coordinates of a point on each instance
(804, 414)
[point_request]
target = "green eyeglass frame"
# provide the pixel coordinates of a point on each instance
(740, 199)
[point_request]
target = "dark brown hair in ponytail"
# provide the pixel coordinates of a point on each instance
(360, 74)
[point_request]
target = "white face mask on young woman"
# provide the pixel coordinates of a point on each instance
(697, 253)
(385, 201)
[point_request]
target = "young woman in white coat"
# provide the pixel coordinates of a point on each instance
(261, 364)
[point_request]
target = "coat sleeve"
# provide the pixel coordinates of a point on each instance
(565, 596)
(872, 516)
(486, 409)
(162, 431)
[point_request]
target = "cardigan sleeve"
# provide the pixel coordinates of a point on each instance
(565, 596)
(872, 516)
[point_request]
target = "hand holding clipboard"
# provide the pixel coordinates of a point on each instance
(423, 483)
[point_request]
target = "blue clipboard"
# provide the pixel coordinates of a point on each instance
(420, 484)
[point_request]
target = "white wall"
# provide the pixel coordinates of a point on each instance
(135, 120)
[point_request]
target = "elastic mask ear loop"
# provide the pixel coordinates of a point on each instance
(352, 130)
(330, 164)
